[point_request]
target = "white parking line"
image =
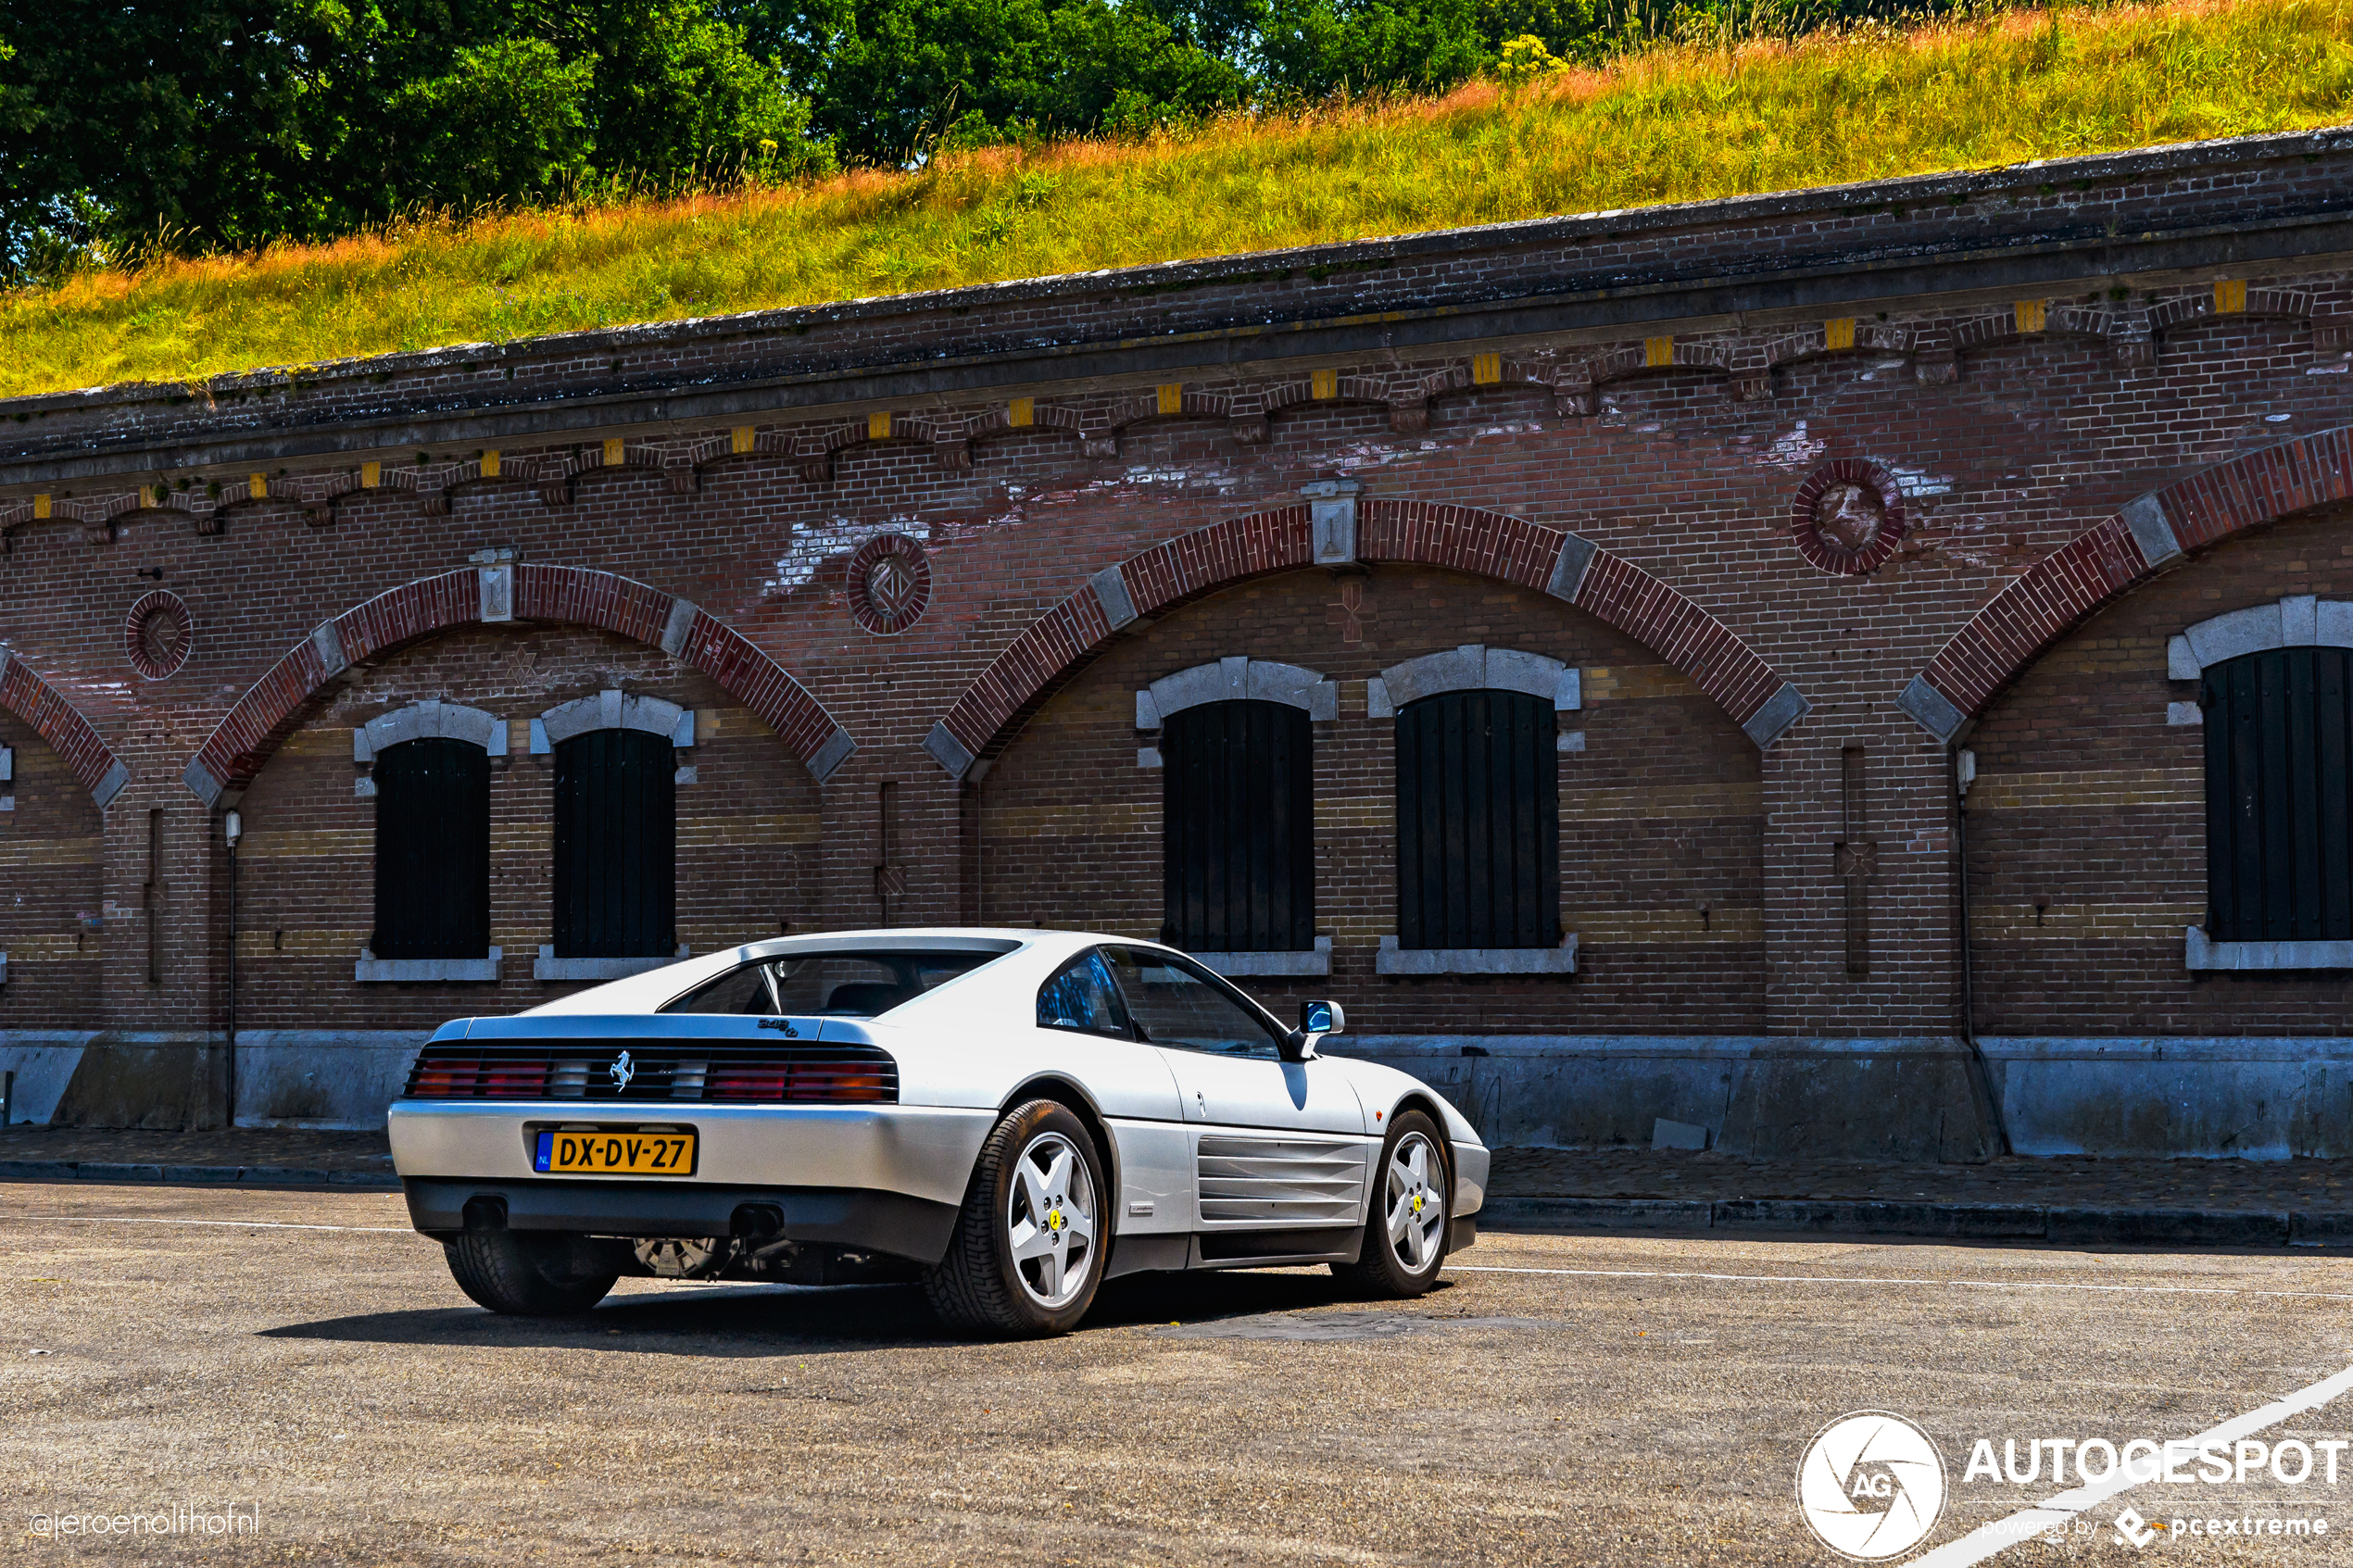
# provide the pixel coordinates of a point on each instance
(2028, 1523)
(232, 1224)
(1904, 1279)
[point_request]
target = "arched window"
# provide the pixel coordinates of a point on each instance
(432, 850)
(616, 846)
(2279, 795)
(1477, 822)
(1238, 838)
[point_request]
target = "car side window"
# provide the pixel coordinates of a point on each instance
(1082, 995)
(1172, 1003)
(745, 990)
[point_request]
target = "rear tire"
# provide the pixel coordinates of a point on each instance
(533, 1274)
(1029, 1244)
(1405, 1229)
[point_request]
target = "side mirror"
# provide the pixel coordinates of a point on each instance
(1315, 1021)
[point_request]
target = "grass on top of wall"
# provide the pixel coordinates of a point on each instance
(1672, 123)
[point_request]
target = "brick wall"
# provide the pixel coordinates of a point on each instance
(1703, 873)
(51, 846)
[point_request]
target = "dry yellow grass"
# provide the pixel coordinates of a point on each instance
(1671, 124)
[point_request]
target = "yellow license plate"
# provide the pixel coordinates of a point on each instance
(620, 1152)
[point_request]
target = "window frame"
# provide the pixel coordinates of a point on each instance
(397, 811)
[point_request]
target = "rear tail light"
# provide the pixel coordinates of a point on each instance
(559, 1070)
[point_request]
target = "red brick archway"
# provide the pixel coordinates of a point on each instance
(278, 702)
(1068, 636)
(2147, 535)
(57, 721)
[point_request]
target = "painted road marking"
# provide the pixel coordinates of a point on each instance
(2028, 1523)
(1905, 1279)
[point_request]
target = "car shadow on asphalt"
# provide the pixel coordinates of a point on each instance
(756, 1319)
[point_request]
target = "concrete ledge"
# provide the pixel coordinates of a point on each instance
(2200, 953)
(1963, 1222)
(373, 970)
(1313, 963)
(549, 967)
(2192, 1226)
(1394, 959)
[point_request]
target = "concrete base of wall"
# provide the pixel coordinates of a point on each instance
(1770, 1096)
(1893, 1099)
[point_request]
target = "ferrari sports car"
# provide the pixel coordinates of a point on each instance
(1011, 1117)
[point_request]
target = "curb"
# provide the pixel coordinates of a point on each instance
(1952, 1222)
(194, 1175)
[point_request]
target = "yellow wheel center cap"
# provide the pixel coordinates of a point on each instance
(1417, 1203)
(1053, 1219)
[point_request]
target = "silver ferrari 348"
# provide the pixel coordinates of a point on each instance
(1012, 1117)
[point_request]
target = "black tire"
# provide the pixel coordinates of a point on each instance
(1384, 1269)
(533, 1274)
(980, 1286)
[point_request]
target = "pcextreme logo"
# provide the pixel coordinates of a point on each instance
(1872, 1486)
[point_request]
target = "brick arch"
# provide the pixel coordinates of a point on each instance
(1072, 634)
(61, 724)
(2083, 576)
(284, 698)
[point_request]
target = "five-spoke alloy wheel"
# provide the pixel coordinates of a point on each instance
(1406, 1224)
(1028, 1247)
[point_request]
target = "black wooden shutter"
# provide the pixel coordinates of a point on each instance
(2279, 795)
(1238, 828)
(432, 851)
(616, 846)
(1478, 822)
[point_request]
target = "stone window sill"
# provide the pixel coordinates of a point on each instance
(1313, 963)
(1394, 959)
(550, 966)
(373, 970)
(2255, 956)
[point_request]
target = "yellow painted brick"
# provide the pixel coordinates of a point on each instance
(1666, 928)
(490, 463)
(1839, 332)
(739, 439)
(1655, 801)
(53, 947)
(1486, 369)
(614, 452)
(24, 853)
(2156, 924)
(2102, 787)
(780, 828)
(2029, 314)
(264, 943)
(1171, 399)
(372, 475)
(1087, 820)
(1636, 683)
(879, 425)
(1022, 412)
(1326, 384)
(1659, 351)
(40, 506)
(257, 485)
(2229, 295)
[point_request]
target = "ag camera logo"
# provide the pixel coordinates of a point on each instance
(1872, 1486)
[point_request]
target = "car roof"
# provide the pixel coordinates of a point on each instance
(648, 992)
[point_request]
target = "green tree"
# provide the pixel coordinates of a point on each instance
(213, 122)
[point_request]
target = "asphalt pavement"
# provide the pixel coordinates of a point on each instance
(301, 1361)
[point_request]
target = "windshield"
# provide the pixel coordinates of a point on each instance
(854, 983)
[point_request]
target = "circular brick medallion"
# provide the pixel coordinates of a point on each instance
(157, 634)
(890, 583)
(1848, 517)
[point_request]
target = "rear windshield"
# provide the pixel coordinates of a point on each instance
(865, 983)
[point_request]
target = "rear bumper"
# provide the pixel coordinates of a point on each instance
(861, 1219)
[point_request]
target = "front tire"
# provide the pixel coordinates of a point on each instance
(1028, 1248)
(1405, 1230)
(531, 1274)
